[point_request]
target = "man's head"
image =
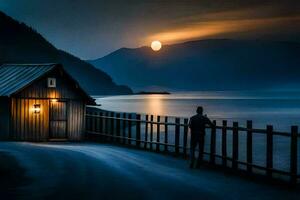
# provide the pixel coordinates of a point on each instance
(200, 110)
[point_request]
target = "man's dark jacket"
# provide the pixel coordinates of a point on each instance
(197, 125)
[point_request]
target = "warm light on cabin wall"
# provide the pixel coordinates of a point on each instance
(36, 109)
(54, 100)
(52, 94)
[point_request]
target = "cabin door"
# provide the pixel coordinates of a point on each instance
(58, 120)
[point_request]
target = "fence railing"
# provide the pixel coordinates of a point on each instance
(256, 151)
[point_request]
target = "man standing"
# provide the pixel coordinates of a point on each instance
(197, 125)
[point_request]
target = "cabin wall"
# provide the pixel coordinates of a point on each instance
(4, 118)
(76, 120)
(27, 125)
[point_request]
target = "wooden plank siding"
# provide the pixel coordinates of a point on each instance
(25, 124)
(29, 126)
(76, 120)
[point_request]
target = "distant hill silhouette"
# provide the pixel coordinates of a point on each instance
(219, 64)
(21, 44)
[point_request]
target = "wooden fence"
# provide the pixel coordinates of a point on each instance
(235, 144)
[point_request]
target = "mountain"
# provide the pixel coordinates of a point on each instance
(216, 64)
(21, 44)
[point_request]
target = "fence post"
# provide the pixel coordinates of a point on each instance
(97, 121)
(235, 145)
(106, 126)
(118, 127)
(138, 130)
(146, 132)
(166, 134)
(177, 135)
(269, 150)
(249, 146)
(124, 128)
(94, 121)
(99, 125)
(101, 122)
(151, 132)
(112, 126)
(185, 136)
(90, 125)
(87, 121)
(213, 143)
(158, 133)
(129, 129)
(294, 156)
(224, 143)
(91, 121)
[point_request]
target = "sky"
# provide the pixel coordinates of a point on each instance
(91, 29)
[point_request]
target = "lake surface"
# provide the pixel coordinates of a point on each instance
(281, 109)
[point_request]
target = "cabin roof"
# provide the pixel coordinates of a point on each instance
(15, 77)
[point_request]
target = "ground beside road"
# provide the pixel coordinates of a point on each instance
(101, 171)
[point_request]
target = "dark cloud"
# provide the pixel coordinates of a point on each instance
(93, 28)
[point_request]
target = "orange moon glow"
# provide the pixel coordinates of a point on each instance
(156, 45)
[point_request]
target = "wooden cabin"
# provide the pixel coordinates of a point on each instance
(41, 102)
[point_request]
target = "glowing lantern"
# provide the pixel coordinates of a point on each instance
(36, 108)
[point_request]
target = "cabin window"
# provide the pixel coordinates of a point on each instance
(51, 82)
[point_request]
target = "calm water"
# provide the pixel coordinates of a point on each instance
(280, 109)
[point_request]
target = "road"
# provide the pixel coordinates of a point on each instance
(101, 171)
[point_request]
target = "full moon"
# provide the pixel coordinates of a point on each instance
(156, 45)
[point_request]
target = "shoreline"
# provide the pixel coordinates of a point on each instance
(151, 93)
